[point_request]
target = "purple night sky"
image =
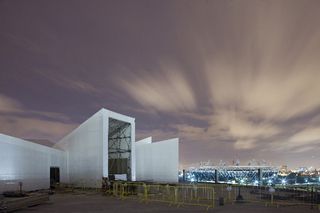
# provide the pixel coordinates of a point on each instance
(233, 79)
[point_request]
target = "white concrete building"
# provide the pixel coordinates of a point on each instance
(29, 163)
(103, 145)
(157, 161)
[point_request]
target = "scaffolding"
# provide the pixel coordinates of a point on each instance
(119, 147)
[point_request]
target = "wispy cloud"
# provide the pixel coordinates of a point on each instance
(241, 128)
(69, 82)
(34, 128)
(305, 140)
(261, 70)
(80, 85)
(156, 134)
(228, 77)
(8, 104)
(165, 90)
(16, 121)
(311, 134)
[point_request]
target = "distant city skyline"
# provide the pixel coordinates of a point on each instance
(247, 163)
(232, 79)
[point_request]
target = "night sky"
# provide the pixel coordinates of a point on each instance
(232, 79)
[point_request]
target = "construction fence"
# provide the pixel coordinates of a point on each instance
(210, 195)
(176, 195)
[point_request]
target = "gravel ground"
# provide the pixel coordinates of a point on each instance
(97, 203)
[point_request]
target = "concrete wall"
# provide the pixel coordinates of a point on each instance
(28, 162)
(159, 161)
(84, 151)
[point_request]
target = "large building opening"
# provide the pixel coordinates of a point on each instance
(119, 148)
(54, 176)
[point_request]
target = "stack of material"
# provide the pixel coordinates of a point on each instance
(13, 204)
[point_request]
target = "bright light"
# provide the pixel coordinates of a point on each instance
(284, 182)
(269, 181)
(256, 182)
(192, 180)
(241, 181)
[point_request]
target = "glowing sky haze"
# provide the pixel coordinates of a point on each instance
(234, 79)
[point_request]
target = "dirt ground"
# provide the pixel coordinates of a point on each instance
(97, 203)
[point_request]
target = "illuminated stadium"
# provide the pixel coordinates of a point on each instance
(252, 175)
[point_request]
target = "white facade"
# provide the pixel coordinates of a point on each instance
(83, 147)
(87, 148)
(85, 155)
(29, 163)
(157, 161)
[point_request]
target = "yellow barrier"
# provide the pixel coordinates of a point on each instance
(205, 194)
(172, 194)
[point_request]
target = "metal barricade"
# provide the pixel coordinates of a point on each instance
(207, 195)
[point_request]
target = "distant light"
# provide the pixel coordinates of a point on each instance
(256, 182)
(271, 190)
(269, 181)
(241, 181)
(284, 182)
(192, 180)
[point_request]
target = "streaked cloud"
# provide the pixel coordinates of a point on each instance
(306, 135)
(240, 127)
(232, 79)
(167, 89)
(245, 144)
(80, 85)
(34, 128)
(156, 134)
(190, 132)
(262, 81)
(17, 121)
(9, 105)
(69, 82)
(304, 140)
(260, 68)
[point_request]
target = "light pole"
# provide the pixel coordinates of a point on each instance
(271, 190)
(229, 189)
(239, 197)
